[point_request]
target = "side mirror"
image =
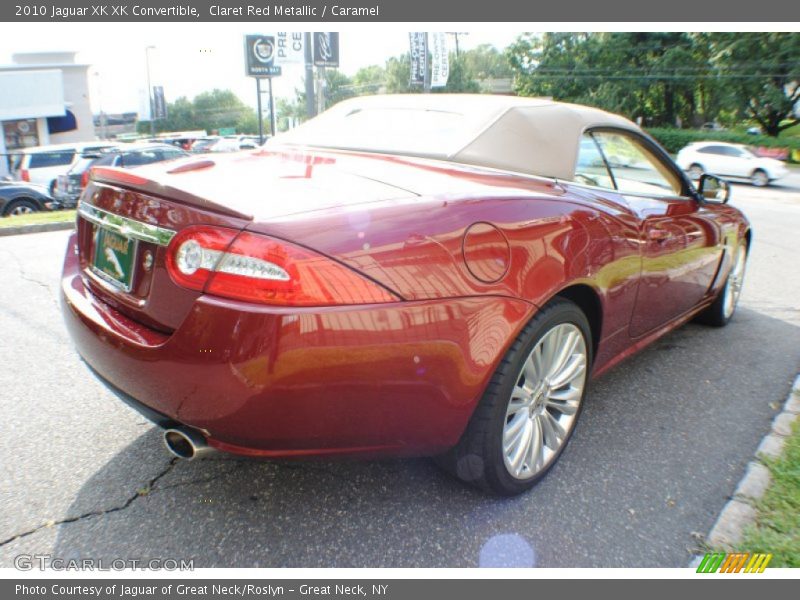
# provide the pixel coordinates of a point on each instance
(713, 189)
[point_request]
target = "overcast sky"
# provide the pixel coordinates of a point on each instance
(194, 57)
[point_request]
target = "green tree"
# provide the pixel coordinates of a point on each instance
(219, 108)
(459, 79)
(763, 71)
(398, 75)
(209, 111)
(666, 78)
(338, 87)
(369, 80)
(486, 62)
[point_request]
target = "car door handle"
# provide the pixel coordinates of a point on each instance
(658, 235)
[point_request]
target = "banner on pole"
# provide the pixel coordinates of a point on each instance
(440, 61)
(326, 49)
(418, 41)
(290, 49)
(159, 103)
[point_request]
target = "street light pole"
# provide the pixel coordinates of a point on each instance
(150, 90)
(100, 105)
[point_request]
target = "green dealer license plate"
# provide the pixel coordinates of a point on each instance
(114, 256)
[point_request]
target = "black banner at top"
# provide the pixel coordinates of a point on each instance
(343, 11)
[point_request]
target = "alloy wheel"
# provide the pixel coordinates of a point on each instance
(21, 209)
(545, 401)
(759, 179)
(733, 287)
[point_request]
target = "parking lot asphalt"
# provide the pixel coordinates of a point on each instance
(659, 449)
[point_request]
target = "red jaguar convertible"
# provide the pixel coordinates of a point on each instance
(403, 275)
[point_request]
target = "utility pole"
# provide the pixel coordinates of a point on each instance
(455, 35)
(271, 113)
(150, 90)
(321, 85)
(309, 56)
(260, 113)
(426, 78)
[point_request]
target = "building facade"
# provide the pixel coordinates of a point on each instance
(44, 99)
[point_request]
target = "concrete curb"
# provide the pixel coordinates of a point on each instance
(36, 228)
(740, 510)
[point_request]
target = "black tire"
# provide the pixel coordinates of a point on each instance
(759, 178)
(477, 459)
(695, 171)
(717, 315)
(20, 207)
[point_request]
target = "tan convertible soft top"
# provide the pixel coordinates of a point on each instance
(528, 135)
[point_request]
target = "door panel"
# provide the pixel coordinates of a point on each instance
(681, 249)
(680, 242)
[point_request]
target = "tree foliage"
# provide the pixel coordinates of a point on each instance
(666, 78)
(209, 111)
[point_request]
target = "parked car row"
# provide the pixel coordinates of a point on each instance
(71, 184)
(229, 143)
(43, 165)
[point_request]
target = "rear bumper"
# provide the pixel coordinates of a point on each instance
(400, 378)
(66, 200)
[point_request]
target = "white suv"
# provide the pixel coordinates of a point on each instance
(734, 161)
(43, 164)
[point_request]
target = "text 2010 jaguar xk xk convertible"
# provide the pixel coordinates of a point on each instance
(403, 275)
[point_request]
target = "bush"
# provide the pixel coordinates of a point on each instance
(675, 139)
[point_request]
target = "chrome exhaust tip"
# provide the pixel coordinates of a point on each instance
(186, 443)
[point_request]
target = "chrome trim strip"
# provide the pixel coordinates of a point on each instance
(125, 226)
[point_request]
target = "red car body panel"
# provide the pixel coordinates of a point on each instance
(470, 253)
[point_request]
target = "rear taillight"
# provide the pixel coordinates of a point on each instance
(85, 179)
(24, 175)
(257, 268)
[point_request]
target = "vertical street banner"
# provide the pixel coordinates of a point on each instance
(259, 56)
(289, 48)
(159, 103)
(440, 61)
(418, 41)
(326, 49)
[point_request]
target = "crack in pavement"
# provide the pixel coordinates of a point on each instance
(237, 466)
(144, 491)
(26, 277)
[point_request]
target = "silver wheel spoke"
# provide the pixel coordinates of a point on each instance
(533, 366)
(520, 449)
(535, 452)
(553, 432)
(569, 407)
(564, 353)
(573, 368)
(514, 432)
(519, 400)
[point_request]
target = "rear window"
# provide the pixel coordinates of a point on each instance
(42, 160)
(404, 130)
(82, 164)
(141, 157)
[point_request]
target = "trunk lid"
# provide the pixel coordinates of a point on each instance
(127, 217)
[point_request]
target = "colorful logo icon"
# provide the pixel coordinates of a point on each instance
(736, 562)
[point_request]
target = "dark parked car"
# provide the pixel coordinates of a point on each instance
(402, 275)
(20, 198)
(70, 186)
